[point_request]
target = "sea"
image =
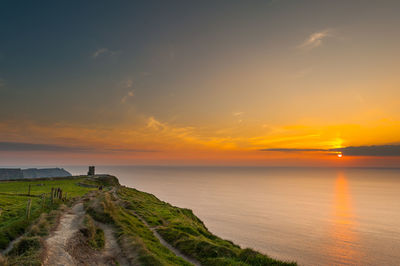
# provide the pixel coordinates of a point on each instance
(314, 216)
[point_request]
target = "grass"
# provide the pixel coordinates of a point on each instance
(94, 234)
(183, 230)
(134, 237)
(27, 251)
(41, 186)
(13, 206)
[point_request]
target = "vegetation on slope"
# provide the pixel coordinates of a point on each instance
(134, 237)
(182, 229)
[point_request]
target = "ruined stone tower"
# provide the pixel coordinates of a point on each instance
(91, 170)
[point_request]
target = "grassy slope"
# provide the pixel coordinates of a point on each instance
(139, 243)
(182, 229)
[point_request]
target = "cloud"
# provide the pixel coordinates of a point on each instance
(127, 96)
(315, 39)
(132, 150)
(302, 73)
(374, 150)
(103, 52)
(291, 150)
(154, 123)
(21, 146)
(127, 84)
(239, 116)
(27, 147)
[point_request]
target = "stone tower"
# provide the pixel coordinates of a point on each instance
(91, 170)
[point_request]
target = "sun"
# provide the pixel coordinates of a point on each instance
(340, 155)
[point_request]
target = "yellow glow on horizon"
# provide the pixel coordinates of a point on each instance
(168, 142)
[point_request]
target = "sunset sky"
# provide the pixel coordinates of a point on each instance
(274, 83)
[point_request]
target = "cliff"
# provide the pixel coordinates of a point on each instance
(18, 173)
(11, 173)
(45, 172)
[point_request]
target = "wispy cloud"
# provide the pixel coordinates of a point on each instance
(103, 52)
(154, 123)
(127, 96)
(127, 84)
(239, 116)
(302, 73)
(316, 39)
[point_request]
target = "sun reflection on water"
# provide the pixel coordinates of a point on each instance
(343, 230)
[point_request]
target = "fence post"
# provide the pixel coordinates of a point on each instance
(28, 209)
(29, 190)
(52, 194)
(43, 200)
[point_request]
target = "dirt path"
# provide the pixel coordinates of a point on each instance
(56, 244)
(166, 244)
(67, 245)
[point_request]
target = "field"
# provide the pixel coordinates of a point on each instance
(14, 203)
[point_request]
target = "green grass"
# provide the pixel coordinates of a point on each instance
(39, 187)
(182, 229)
(133, 235)
(27, 251)
(13, 220)
(94, 234)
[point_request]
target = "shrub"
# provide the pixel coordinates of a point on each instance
(26, 244)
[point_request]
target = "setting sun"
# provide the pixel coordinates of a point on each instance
(340, 155)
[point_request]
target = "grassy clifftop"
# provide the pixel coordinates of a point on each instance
(141, 223)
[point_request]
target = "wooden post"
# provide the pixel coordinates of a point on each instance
(43, 200)
(52, 195)
(28, 209)
(29, 190)
(60, 193)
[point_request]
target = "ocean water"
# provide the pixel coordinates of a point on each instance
(315, 216)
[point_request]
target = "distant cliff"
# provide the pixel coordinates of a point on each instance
(11, 173)
(18, 173)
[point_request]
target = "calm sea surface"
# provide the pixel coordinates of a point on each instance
(312, 216)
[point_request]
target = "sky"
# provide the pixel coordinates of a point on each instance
(265, 83)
